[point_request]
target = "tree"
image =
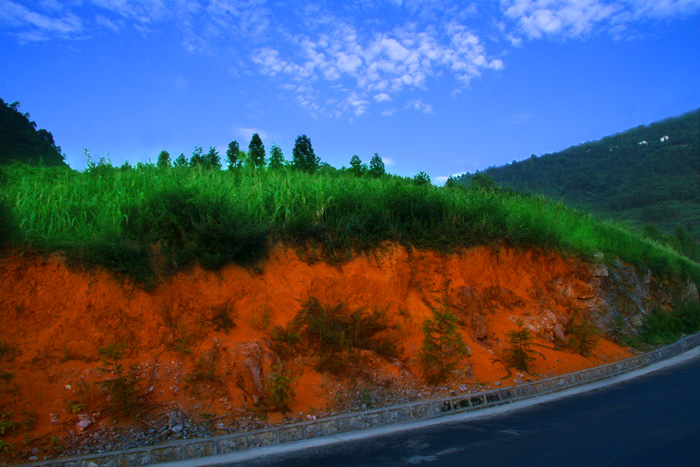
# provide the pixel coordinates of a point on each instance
(356, 166)
(256, 151)
(303, 157)
(279, 386)
(197, 158)
(21, 141)
(583, 337)
(421, 178)
(482, 181)
(232, 158)
(163, 160)
(212, 159)
(276, 158)
(376, 166)
(452, 182)
(180, 161)
(443, 346)
(518, 354)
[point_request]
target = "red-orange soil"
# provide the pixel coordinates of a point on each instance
(55, 318)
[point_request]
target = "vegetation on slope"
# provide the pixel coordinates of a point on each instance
(21, 141)
(116, 217)
(632, 176)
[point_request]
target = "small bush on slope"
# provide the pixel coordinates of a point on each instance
(338, 334)
(443, 347)
(518, 353)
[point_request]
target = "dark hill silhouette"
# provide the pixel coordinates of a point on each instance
(21, 141)
(647, 177)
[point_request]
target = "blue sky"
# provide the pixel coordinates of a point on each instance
(441, 86)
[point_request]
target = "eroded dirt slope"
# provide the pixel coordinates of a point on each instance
(196, 368)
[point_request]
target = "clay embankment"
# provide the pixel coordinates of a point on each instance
(55, 319)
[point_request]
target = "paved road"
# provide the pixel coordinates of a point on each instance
(651, 420)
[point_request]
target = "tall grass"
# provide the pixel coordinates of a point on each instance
(114, 217)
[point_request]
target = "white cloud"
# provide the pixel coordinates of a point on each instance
(420, 106)
(345, 61)
(245, 134)
(382, 97)
(35, 26)
(388, 161)
(106, 23)
(375, 66)
(535, 19)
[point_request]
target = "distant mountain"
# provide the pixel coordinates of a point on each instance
(647, 177)
(21, 141)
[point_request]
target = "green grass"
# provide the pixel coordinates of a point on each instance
(114, 218)
(664, 327)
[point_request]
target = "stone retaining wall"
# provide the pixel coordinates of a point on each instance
(421, 410)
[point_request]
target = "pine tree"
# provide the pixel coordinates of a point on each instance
(303, 157)
(421, 178)
(163, 160)
(518, 354)
(276, 158)
(356, 166)
(376, 166)
(583, 337)
(212, 159)
(180, 161)
(197, 158)
(256, 151)
(232, 158)
(443, 346)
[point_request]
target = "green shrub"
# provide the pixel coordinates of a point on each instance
(7, 425)
(285, 340)
(123, 384)
(443, 347)
(338, 334)
(279, 388)
(205, 368)
(223, 316)
(664, 327)
(121, 257)
(583, 337)
(518, 354)
(8, 228)
(6, 448)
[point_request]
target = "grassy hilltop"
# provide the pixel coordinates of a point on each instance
(120, 217)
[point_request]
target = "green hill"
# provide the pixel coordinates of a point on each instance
(21, 141)
(638, 177)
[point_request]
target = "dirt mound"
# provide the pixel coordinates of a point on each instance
(202, 344)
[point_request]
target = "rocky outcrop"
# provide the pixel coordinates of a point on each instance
(618, 296)
(255, 361)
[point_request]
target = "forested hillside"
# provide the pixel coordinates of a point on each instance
(647, 177)
(21, 141)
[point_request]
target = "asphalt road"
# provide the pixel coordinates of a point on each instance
(650, 420)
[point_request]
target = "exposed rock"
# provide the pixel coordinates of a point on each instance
(559, 334)
(468, 300)
(479, 329)
(82, 425)
(256, 360)
(504, 297)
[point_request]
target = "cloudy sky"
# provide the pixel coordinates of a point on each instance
(441, 86)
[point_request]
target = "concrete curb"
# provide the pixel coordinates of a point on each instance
(413, 411)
